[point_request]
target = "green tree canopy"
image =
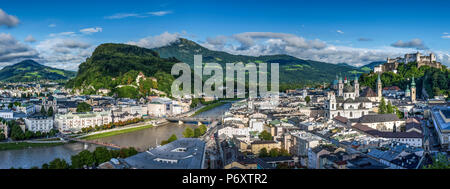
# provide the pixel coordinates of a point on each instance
(84, 107)
(264, 135)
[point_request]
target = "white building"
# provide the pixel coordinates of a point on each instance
(6, 114)
(39, 123)
(73, 122)
(382, 122)
(348, 103)
(231, 131)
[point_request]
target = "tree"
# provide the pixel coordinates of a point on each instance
(389, 108)
(50, 112)
(203, 129)
(440, 162)
(307, 99)
(101, 154)
(58, 164)
(44, 166)
(188, 133)
(16, 132)
(197, 133)
(263, 152)
(264, 135)
(382, 106)
(273, 152)
(83, 107)
(43, 112)
(76, 162)
(284, 152)
(87, 158)
(171, 139)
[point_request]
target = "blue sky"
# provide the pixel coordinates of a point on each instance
(63, 33)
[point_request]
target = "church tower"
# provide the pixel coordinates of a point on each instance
(332, 102)
(340, 87)
(379, 89)
(356, 86)
(413, 90)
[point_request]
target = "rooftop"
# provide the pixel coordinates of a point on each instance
(185, 153)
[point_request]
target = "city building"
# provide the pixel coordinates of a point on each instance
(74, 122)
(256, 146)
(382, 122)
(6, 114)
(39, 123)
(441, 122)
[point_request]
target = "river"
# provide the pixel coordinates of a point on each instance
(141, 140)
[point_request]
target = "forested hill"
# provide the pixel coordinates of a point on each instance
(435, 81)
(113, 65)
(31, 71)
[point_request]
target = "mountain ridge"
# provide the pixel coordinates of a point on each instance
(30, 70)
(292, 69)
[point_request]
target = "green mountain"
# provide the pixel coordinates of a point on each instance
(292, 70)
(29, 70)
(116, 67)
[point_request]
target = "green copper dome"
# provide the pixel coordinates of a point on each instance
(413, 84)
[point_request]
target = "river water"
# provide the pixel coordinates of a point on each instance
(141, 140)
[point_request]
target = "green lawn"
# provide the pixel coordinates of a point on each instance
(23, 145)
(112, 133)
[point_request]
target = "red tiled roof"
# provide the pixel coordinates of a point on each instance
(392, 88)
(341, 119)
(368, 92)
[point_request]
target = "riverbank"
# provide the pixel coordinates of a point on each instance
(24, 145)
(208, 107)
(116, 132)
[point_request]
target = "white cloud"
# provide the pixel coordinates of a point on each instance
(446, 37)
(63, 52)
(414, 43)
(160, 13)
(91, 30)
(164, 39)
(52, 25)
(12, 51)
(271, 43)
(249, 39)
(8, 20)
(124, 15)
(340, 32)
(30, 39)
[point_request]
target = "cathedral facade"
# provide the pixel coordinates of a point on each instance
(346, 101)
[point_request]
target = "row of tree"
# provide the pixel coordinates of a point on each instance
(194, 133)
(89, 159)
(274, 152)
(111, 125)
